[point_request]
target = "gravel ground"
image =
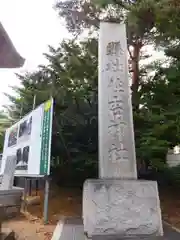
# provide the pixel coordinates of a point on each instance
(30, 230)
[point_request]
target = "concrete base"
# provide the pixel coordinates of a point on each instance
(11, 200)
(7, 234)
(123, 208)
(72, 228)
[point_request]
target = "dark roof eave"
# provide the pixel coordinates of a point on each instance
(9, 57)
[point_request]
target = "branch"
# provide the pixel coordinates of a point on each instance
(130, 54)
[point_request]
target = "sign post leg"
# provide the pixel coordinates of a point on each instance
(46, 199)
(25, 195)
(37, 187)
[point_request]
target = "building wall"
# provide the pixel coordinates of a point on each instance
(173, 159)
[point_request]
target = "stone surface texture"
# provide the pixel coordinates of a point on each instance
(11, 201)
(116, 135)
(121, 207)
(74, 230)
(7, 234)
(8, 175)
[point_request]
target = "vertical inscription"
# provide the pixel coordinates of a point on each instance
(117, 125)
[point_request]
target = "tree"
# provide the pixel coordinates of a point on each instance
(71, 78)
(138, 15)
(159, 117)
(5, 122)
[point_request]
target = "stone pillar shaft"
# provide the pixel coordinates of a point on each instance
(116, 134)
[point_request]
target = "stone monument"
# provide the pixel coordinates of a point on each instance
(8, 175)
(118, 204)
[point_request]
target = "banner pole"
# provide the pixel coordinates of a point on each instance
(28, 184)
(47, 180)
(25, 179)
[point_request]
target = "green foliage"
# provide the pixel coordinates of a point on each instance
(4, 123)
(71, 77)
(157, 123)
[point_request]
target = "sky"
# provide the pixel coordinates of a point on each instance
(32, 25)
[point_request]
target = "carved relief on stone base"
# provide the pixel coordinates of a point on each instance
(123, 207)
